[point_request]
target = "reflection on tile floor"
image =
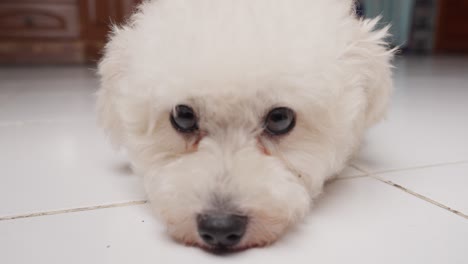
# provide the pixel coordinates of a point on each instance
(403, 200)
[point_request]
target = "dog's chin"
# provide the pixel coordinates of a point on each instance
(220, 250)
(244, 245)
(249, 242)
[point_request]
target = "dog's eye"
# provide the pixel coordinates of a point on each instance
(280, 121)
(184, 119)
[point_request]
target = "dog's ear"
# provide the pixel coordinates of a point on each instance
(110, 70)
(373, 57)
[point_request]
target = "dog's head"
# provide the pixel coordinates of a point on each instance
(236, 112)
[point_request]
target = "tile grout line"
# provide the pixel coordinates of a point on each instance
(422, 197)
(410, 168)
(42, 121)
(359, 169)
(73, 210)
(361, 174)
(356, 176)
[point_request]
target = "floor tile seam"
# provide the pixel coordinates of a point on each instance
(41, 121)
(417, 195)
(72, 210)
(410, 168)
(356, 176)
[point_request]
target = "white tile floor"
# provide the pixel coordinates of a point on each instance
(66, 197)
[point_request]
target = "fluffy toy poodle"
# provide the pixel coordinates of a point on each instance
(237, 111)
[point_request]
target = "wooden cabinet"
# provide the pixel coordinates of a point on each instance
(57, 31)
(38, 20)
(452, 28)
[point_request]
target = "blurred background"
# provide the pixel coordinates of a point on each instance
(74, 31)
(57, 31)
(423, 26)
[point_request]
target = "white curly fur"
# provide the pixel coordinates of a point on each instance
(233, 61)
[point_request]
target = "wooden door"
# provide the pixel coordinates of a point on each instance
(452, 28)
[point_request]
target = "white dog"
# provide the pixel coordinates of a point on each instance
(237, 111)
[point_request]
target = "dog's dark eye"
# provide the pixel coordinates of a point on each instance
(280, 121)
(184, 119)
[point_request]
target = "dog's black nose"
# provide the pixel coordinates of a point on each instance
(221, 230)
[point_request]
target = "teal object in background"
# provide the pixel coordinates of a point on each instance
(396, 12)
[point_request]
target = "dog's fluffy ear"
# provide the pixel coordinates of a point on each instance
(110, 70)
(374, 57)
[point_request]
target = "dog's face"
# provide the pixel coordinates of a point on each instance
(236, 132)
(225, 156)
